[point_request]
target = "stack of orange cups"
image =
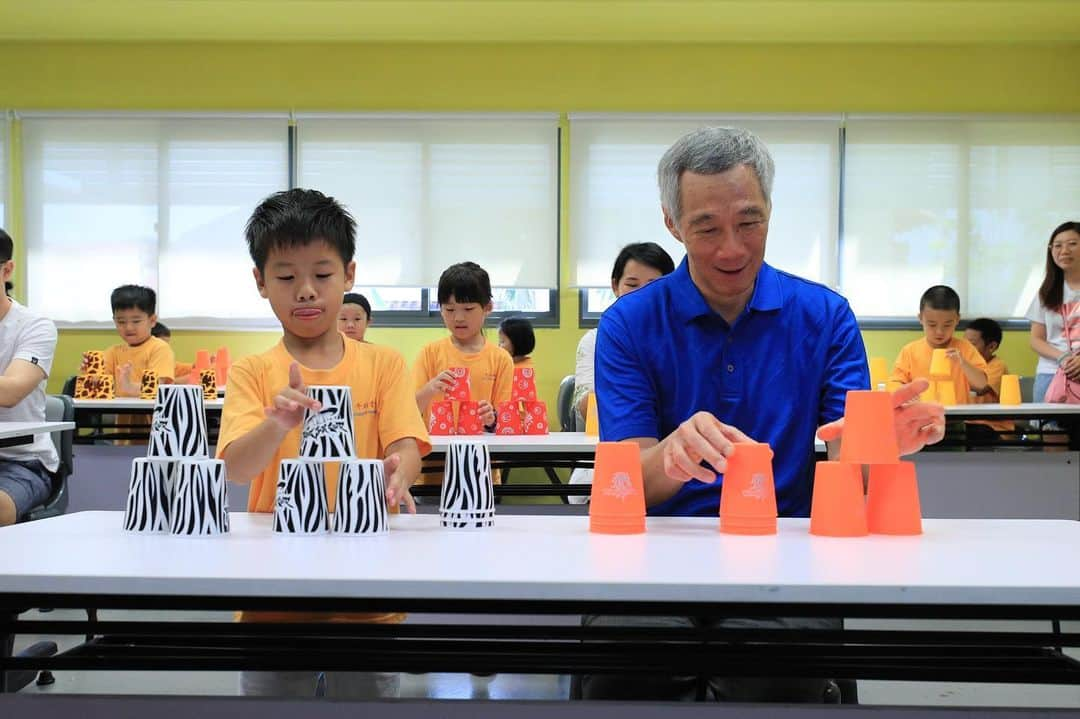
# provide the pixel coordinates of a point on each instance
(748, 495)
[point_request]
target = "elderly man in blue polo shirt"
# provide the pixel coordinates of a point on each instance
(723, 350)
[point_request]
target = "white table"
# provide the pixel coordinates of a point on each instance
(549, 565)
(16, 433)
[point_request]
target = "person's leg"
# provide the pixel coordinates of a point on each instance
(1038, 390)
(363, 685)
(804, 690)
(638, 686)
(23, 486)
(278, 684)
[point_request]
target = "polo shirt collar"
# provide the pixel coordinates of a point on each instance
(689, 304)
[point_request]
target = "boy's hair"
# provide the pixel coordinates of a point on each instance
(355, 298)
(298, 217)
(988, 328)
(940, 297)
(7, 251)
(520, 333)
(649, 254)
(160, 329)
(134, 297)
(465, 282)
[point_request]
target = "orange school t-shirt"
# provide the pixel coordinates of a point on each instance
(491, 373)
(914, 361)
(384, 411)
(154, 354)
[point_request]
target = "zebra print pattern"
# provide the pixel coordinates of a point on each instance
(328, 433)
(468, 497)
(300, 502)
(361, 498)
(200, 504)
(149, 494)
(179, 426)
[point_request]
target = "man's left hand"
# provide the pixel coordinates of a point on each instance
(917, 423)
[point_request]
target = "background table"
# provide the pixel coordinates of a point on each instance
(91, 414)
(527, 566)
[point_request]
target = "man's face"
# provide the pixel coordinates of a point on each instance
(723, 225)
(939, 326)
(305, 285)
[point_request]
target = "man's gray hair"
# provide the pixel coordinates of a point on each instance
(710, 151)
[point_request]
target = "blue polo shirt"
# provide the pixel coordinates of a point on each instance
(778, 373)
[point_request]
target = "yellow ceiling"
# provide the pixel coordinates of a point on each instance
(950, 22)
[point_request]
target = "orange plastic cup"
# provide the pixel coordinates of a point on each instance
(202, 361)
(617, 504)
(222, 362)
(869, 429)
(748, 496)
(946, 392)
(892, 499)
(592, 417)
(1010, 389)
(838, 508)
(879, 372)
(940, 367)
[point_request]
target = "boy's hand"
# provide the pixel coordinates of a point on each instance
(397, 484)
(917, 424)
(442, 382)
(954, 355)
(486, 413)
(126, 380)
(290, 403)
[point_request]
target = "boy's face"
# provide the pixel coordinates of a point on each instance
(305, 284)
(939, 326)
(465, 320)
(975, 337)
(134, 325)
(353, 321)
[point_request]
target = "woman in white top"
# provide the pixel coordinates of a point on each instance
(1058, 302)
(637, 265)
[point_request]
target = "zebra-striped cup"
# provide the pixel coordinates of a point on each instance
(328, 433)
(468, 496)
(361, 498)
(300, 503)
(200, 503)
(179, 427)
(149, 495)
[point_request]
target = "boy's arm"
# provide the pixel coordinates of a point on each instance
(973, 366)
(248, 454)
(428, 387)
(31, 363)
(901, 372)
(402, 469)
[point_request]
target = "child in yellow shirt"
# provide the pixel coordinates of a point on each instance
(516, 336)
(304, 277)
(182, 375)
(465, 302)
(354, 316)
(985, 336)
(939, 314)
(135, 314)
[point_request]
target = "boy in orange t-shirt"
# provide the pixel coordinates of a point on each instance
(939, 314)
(304, 277)
(985, 336)
(465, 302)
(134, 314)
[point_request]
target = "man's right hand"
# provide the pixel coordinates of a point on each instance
(702, 437)
(290, 403)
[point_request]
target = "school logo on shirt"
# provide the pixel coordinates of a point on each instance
(34, 360)
(362, 409)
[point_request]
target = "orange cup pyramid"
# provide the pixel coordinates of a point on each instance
(748, 495)
(617, 504)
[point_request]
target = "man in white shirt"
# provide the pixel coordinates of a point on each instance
(27, 345)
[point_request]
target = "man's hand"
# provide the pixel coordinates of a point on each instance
(397, 484)
(917, 424)
(290, 403)
(702, 437)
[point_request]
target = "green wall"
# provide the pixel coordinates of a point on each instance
(561, 78)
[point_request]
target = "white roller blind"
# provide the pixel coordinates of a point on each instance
(154, 201)
(614, 198)
(431, 191)
(966, 201)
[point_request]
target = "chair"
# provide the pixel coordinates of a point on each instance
(565, 404)
(1027, 389)
(58, 408)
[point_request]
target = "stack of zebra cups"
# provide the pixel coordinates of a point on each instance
(177, 488)
(467, 500)
(300, 505)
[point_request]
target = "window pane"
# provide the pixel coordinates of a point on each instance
(615, 199)
(387, 299)
(508, 299)
(429, 192)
